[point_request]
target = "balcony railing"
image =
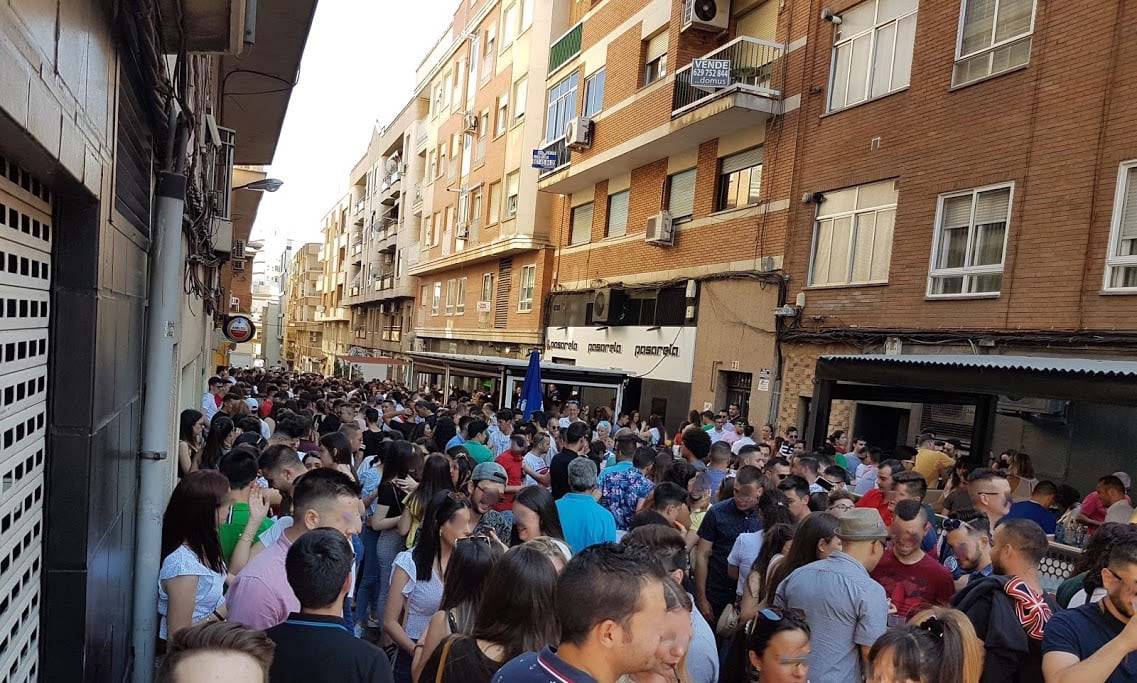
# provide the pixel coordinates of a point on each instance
(563, 155)
(754, 68)
(566, 47)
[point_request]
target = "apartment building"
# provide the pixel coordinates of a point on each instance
(388, 184)
(484, 243)
(335, 338)
(303, 332)
(669, 199)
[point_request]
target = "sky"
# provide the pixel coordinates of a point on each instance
(357, 70)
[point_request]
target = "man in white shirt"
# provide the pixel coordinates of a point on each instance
(533, 465)
(211, 400)
(746, 439)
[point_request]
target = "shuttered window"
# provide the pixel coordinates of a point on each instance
(969, 243)
(681, 194)
(618, 214)
(581, 224)
(740, 179)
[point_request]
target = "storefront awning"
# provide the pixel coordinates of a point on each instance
(495, 367)
(370, 360)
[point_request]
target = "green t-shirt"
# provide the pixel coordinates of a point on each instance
(478, 452)
(230, 531)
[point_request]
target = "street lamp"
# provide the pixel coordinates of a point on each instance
(264, 185)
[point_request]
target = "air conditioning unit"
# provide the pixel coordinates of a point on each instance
(239, 265)
(660, 229)
(578, 134)
(471, 121)
(462, 231)
(705, 15)
(238, 250)
(607, 305)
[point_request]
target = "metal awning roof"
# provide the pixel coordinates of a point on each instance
(485, 365)
(1086, 379)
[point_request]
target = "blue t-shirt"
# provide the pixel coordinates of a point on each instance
(1082, 631)
(584, 521)
(455, 440)
(542, 667)
(1028, 509)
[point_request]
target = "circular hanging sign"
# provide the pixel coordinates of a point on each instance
(239, 328)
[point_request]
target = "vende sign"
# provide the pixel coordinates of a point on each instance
(664, 353)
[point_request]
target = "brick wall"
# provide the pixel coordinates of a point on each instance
(798, 364)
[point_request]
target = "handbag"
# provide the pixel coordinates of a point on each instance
(728, 622)
(442, 660)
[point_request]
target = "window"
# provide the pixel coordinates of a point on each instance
(476, 207)
(494, 203)
(526, 15)
(509, 24)
(618, 214)
(852, 239)
(594, 93)
(456, 86)
(426, 236)
(423, 295)
(520, 89)
(436, 298)
(994, 36)
(433, 166)
(441, 160)
(512, 183)
(487, 288)
(528, 284)
(872, 51)
(436, 101)
(562, 107)
(440, 224)
(581, 224)
(971, 237)
(1121, 264)
(451, 293)
(445, 92)
(740, 179)
(655, 58)
(502, 114)
(489, 54)
(460, 297)
(681, 194)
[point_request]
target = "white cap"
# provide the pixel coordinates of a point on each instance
(1124, 479)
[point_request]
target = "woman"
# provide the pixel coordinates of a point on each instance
(816, 539)
(535, 514)
(517, 614)
(776, 543)
(416, 579)
(423, 434)
(1020, 475)
(840, 502)
(312, 461)
(385, 518)
(937, 646)
(192, 577)
(336, 454)
(434, 478)
(373, 436)
(956, 497)
(772, 648)
(461, 467)
(444, 432)
(192, 426)
(656, 433)
(773, 509)
(675, 632)
(465, 577)
(222, 434)
(1086, 583)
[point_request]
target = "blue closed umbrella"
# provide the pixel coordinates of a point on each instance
(531, 389)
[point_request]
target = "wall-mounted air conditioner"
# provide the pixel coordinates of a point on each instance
(578, 134)
(660, 229)
(471, 121)
(705, 15)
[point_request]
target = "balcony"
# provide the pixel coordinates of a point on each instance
(697, 115)
(566, 47)
(334, 314)
(421, 138)
(563, 154)
(416, 200)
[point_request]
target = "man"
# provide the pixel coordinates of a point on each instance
(476, 441)
(846, 610)
(931, 463)
(969, 542)
(807, 468)
(668, 547)
(877, 498)
(497, 435)
(990, 493)
(718, 431)
(1095, 508)
(512, 461)
(584, 521)
(1037, 507)
(733, 412)
(313, 645)
(355, 437)
(786, 450)
(714, 589)
(216, 651)
(624, 486)
(670, 500)
(211, 400)
(776, 472)
(953, 448)
(755, 455)
(910, 577)
(696, 447)
(797, 492)
(574, 444)
(487, 487)
(746, 430)
(911, 486)
(459, 437)
(533, 465)
(290, 428)
(707, 418)
(615, 632)
(718, 464)
(240, 467)
(867, 470)
(1008, 610)
(570, 414)
(833, 478)
(260, 596)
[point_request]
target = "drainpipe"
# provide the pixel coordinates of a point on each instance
(155, 467)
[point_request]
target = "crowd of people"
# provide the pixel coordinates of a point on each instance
(324, 529)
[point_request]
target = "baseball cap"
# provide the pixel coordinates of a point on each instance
(1124, 479)
(491, 471)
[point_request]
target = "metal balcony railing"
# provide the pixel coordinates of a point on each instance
(566, 47)
(563, 154)
(754, 68)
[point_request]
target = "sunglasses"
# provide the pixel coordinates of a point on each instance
(953, 524)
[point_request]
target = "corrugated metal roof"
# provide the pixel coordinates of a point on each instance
(1075, 366)
(491, 361)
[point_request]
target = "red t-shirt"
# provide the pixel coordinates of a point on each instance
(911, 587)
(875, 499)
(512, 464)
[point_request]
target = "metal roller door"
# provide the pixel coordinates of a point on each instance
(25, 279)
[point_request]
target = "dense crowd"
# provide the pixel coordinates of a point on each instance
(332, 530)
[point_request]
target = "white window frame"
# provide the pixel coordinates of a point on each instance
(501, 115)
(526, 291)
(1111, 259)
(589, 85)
(489, 53)
(655, 70)
(518, 95)
(487, 288)
(558, 104)
(587, 237)
(854, 214)
(965, 271)
(451, 295)
(436, 298)
(493, 206)
(509, 208)
(873, 32)
(460, 297)
(990, 49)
(510, 18)
(617, 229)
